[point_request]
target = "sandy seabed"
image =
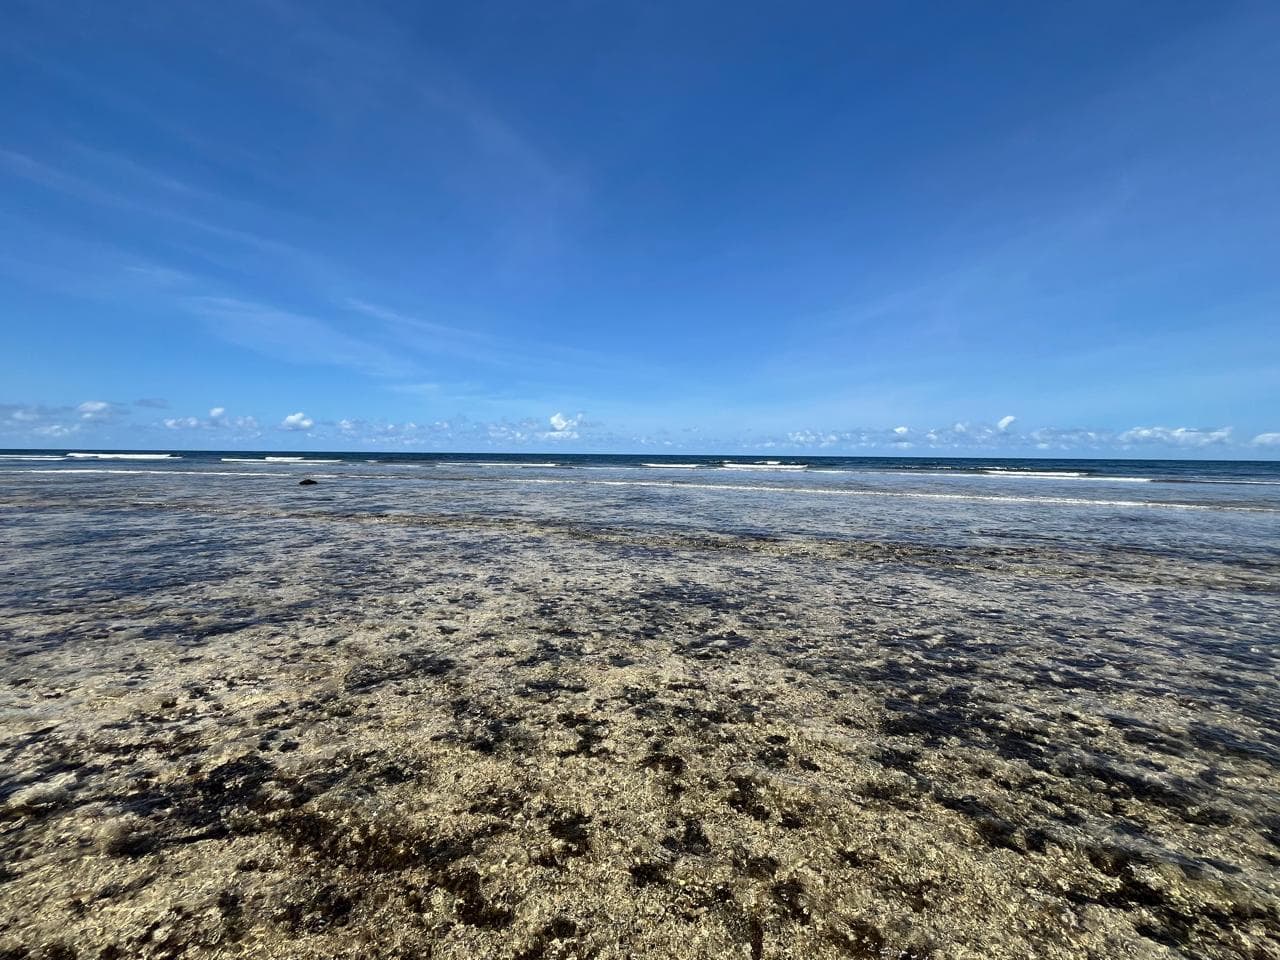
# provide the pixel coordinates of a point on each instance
(238, 729)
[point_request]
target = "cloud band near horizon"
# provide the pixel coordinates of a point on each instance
(104, 423)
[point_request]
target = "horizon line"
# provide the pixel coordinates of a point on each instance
(774, 455)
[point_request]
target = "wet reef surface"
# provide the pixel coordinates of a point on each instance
(242, 719)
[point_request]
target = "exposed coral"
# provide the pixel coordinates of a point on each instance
(411, 721)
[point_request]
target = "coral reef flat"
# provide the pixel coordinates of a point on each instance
(482, 717)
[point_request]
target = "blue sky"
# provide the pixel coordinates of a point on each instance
(924, 228)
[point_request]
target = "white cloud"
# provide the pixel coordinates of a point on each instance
(297, 421)
(562, 427)
(35, 420)
(804, 438)
(1176, 436)
(56, 430)
(93, 417)
(962, 436)
(1046, 438)
(217, 420)
(863, 439)
(506, 432)
(96, 410)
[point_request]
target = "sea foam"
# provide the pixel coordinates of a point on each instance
(124, 456)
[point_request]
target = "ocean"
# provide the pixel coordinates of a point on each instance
(1168, 505)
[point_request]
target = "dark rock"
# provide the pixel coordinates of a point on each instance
(308, 482)
(647, 874)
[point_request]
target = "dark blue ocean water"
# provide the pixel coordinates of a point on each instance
(1265, 472)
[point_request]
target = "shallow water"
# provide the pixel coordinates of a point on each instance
(496, 711)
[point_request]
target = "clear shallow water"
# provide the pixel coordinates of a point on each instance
(1189, 482)
(1192, 507)
(855, 710)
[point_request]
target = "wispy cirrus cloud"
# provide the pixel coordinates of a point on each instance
(296, 337)
(505, 181)
(129, 196)
(434, 339)
(397, 346)
(15, 163)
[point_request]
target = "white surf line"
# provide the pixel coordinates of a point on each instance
(913, 495)
(172, 473)
(1263, 483)
(1049, 474)
(975, 475)
(123, 456)
(670, 485)
(490, 463)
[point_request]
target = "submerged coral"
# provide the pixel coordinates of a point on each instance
(373, 725)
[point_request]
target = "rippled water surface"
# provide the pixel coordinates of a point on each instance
(453, 708)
